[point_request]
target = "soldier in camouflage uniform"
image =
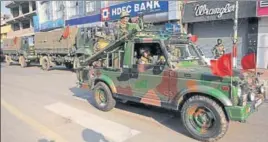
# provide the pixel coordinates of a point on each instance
(175, 53)
(145, 58)
(218, 49)
(101, 42)
(123, 23)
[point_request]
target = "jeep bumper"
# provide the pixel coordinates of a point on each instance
(241, 113)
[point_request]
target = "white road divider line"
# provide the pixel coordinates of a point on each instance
(112, 130)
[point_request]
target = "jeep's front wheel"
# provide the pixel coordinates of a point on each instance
(103, 98)
(204, 118)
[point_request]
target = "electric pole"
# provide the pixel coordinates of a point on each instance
(235, 35)
(181, 6)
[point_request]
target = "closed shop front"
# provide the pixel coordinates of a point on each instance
(211, 20)
(262, 13)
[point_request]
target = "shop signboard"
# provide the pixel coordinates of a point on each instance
(83, 20)
(262, 8)
(217, 10)
(134, 8)
(52, 24)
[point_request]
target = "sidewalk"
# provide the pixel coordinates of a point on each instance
(265, 73)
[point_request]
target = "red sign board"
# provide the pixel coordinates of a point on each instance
(262, 8)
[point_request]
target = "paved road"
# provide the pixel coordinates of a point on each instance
(39, 106)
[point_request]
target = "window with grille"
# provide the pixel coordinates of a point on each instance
(60, 9)
(45, 12)
(90, 6)
(73, 8)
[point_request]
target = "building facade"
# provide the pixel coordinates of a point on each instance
(5, 28)
(92, 13)
(51, 15)
(83, 13)
(157, 12)
(262, 13)
(21, 19)
(212, 20)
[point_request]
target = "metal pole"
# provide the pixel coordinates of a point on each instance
(235, 33)
(234, 58)
(181, 3)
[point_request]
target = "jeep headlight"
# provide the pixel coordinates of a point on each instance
(239, 92)
(251, 96)
(242, 95)
(262, 89)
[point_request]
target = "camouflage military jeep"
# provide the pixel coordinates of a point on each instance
(182, 82)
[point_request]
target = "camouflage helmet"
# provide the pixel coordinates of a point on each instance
(99, 34)
(219, 41)
(145, 49)
(124, 14)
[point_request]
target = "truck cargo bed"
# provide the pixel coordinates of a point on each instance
(54, 50)
(53, 41)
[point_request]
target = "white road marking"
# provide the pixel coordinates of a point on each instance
(112, 130)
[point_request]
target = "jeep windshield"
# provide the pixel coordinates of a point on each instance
(183, 54)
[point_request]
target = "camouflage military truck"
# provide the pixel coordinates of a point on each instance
(183, 82)
(19, 49)
(53, 49)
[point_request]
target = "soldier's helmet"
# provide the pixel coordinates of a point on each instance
(99, 34)
(145, 49)
(219, 41)
(124, 14)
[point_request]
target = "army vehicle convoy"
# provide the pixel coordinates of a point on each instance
(52, 48)
(19, 50)
(166, 70)
(146, 66)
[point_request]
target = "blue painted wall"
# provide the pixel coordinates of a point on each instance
(36, 23)
(52, 24)
(83, 20)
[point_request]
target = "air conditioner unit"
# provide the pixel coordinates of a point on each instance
(263, 3)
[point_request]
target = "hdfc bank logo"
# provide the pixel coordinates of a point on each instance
(105, 14)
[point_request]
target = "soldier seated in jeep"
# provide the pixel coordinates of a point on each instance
(145, 58)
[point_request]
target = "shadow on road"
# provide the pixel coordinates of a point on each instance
(45, 140)
(92, 136)
(173, 122)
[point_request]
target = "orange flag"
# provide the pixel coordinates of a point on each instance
(223, 66)
(214, 68)
(66, 32)
(15, 40)
(249, 61)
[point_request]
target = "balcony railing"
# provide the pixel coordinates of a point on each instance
(8, 3)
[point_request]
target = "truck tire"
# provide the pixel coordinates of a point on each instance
(103, 98)
(23, 62)
(8, 60)
(45, 63)
(204, 118)
(69, 66)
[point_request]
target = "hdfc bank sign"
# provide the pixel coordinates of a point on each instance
(262, 8)
(133, 8)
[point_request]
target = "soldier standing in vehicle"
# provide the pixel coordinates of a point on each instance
(124, 18)
(218, 49)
